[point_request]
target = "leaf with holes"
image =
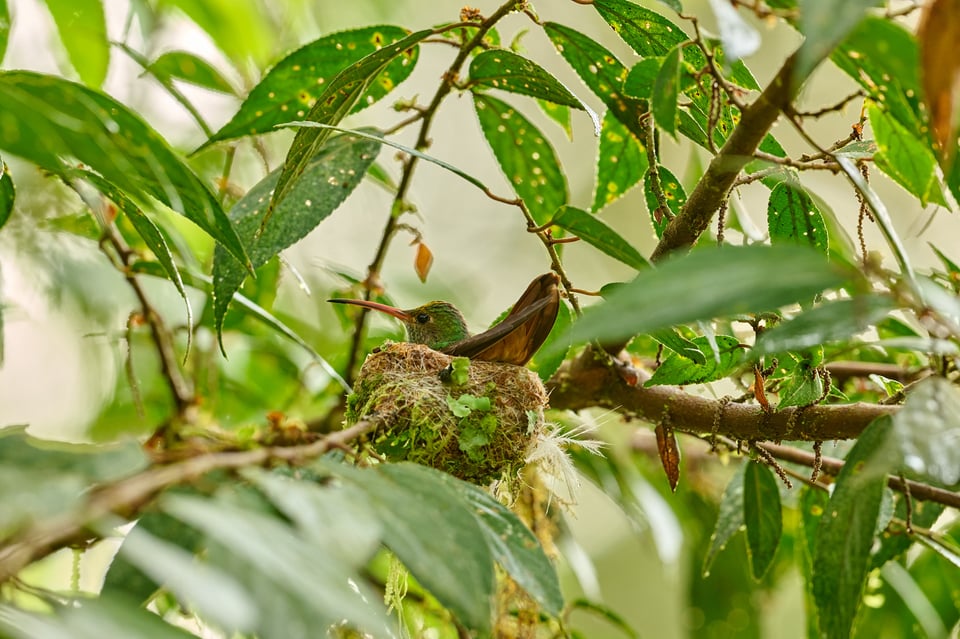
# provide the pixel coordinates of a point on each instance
(666, 89)
(679, 370)
(673, 194)
(591, 230)
(793, 218)
(762, 516)
(293, 87)
(906, 159)
(44, 117)
(340, 97)
(185, 66)
(846, 531)
(600, 70)
(621, 162)
(329, 178)
(502, 69)
(525, 157)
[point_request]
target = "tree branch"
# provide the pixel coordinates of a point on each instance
(591, 380)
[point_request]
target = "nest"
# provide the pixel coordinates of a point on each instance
(475, 420)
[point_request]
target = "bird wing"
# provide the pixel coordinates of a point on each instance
(515, 339)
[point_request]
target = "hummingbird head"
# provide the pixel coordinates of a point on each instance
(435, 324)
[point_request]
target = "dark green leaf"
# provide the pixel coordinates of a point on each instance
(591, 230)
(906, 159)
(804, 386)
(326, 182)
(793, 218)
(45, 118)
(340, 97)
(927, 429)
(642, 76)
(546, 363)
(511, 543)
(729, 519)
(83, 31)
(294, 85)
(831, 321)
(679, 370)
(647, 32)
(525, 157)
(761, 514)
(666, 88)
(4, 28)
(97, 618)
(502, 69)
(679, 344)
(147, 230)
(845, 535)
(673, 194)
(600, 70)
(203, 587)
(621, 162)
(183, 65)
(411, 510)
(894, 543)
(267, 555)
(8, 193)
(710, 283)
(824, 24)
(812, 505)
(559, 114)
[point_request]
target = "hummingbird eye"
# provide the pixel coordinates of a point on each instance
(423, 318)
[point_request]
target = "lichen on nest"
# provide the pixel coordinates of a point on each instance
(475, 420)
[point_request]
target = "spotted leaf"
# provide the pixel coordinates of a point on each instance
(526, 158)
(792, 217)
(621, 162)
(290, 89)
(326, 182)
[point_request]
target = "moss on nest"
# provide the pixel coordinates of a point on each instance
(472, 419)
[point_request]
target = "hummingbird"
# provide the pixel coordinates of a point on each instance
(514, 340)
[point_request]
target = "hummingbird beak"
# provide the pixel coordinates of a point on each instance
(377, 306)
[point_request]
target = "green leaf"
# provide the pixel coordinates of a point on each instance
(594, 232)
(882, 57)
(502, 69)
(212, 593)
(559, 114)
(666, 88)
(328, 179)
(812, 504)
(4, 28)
(183, 65)
(729, 519)
(57, 475)
(834, 320)
(44, 118)
(600, 70)
(412, 505)
(546, 363)
(792, 217)
(83, 31)
(113, 616)
(927, 429)
(845, 535)
(295, 84)
(148, 231)
(8, 193)
(621, 162)
(525, 157)
(340, 97)
(804, 386)
(824, 24)
(719, 282)
(268, 556)
(905, 158)
(673, 193)
(225, 21)
(647, 32)
(761, 514)
(677, 369)
(641, 78)
(679, 344)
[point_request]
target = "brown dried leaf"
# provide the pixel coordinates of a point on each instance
(938, 35)
(669, 454)
(423, 261)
